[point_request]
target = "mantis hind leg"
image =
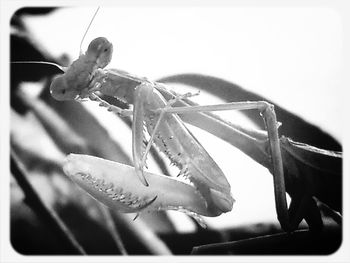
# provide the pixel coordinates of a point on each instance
(269, 116)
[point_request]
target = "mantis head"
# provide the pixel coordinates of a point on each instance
(79, 78)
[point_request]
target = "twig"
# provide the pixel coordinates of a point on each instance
(137, 229)
(32, 199)
(301, 241)
(113, 230)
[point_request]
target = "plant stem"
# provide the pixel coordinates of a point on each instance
(49, 217)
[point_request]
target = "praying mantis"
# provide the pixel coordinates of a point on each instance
(210, 195)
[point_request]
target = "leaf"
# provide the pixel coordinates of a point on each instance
(292, 126)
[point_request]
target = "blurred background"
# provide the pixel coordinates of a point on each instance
(290, 56)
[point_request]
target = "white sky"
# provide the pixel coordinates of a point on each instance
(285, 54)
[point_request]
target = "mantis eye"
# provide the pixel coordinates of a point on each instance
(59, 89)
(100, 50)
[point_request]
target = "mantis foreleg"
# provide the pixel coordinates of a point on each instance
(116, 110)
(180, 146)
(156, 127)
(141, 109)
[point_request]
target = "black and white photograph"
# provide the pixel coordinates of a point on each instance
(183, 129)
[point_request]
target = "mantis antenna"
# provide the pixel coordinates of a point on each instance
(54, 64)
(40, 62)
(87, 29)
